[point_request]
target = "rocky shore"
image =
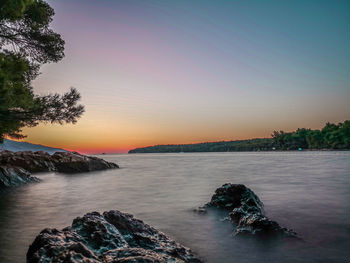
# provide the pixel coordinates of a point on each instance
(16, 167)
(109, 238)
(246, 211)
(14, 176)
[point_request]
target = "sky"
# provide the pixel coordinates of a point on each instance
(173, 72)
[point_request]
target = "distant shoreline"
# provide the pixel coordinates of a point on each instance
(330, 137)
(305, 150)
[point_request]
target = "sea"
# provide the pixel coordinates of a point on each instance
(307, 191)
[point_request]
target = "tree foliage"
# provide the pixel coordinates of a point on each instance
(224, 146)
(25, 29)
(27, 42)
(332, 136)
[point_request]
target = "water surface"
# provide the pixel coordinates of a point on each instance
(306, 191)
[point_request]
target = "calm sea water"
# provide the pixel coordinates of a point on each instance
(306, 191)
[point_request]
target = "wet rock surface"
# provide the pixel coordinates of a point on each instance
(14, 176)
(17, 166)
(246, 211)
(111, 237)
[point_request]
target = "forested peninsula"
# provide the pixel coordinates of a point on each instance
(331, 136)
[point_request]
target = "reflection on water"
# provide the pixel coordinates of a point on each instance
(306, 191)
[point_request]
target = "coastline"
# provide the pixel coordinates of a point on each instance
(304, 150)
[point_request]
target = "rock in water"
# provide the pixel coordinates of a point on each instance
(67, 162)
(17, 166)
(230, 196)
(246, 210)
(108, 238)
(14, 176)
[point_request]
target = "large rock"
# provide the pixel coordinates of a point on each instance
(67, 162)
(109, 238)
(246, 211)
(17, 166)
(230, 196)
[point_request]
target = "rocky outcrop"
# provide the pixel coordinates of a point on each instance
(109, 238)
(246, 211)
(30, 161)
(17, 166)
(67, 162)
(14, 176)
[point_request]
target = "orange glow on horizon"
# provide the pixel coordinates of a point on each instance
(98, 133)
(114, 146)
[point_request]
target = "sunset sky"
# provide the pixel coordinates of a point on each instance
(171, 72)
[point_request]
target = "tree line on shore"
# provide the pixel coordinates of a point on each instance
(331, 136)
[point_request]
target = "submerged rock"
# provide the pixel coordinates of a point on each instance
(17, 166)
(111, 237)
(246, 210)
